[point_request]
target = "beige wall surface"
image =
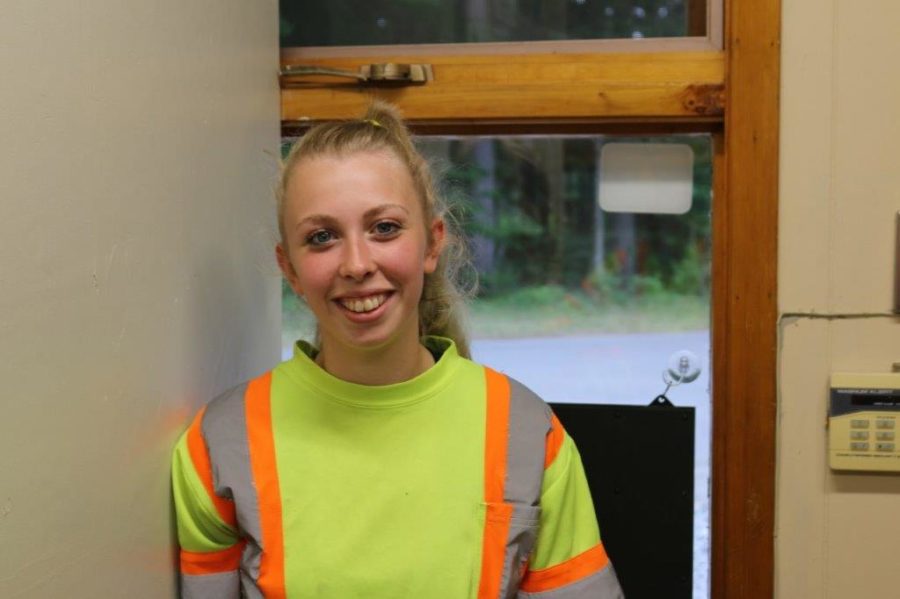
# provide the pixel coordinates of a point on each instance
(836, 533)
(139, 144)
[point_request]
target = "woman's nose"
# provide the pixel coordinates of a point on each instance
(356, 262)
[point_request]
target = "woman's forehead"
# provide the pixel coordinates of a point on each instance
(360, 178)
(376, 156)
(319, 168)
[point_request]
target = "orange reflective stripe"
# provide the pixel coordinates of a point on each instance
(498, 514)
(496, 532)
(213, 562)
(554, 441)
(496, 435)
(265, 475)
(200, 457)
(582, 565)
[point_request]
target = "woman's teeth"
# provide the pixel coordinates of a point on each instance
(363, 304)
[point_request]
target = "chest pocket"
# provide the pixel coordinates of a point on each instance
(523, 530)
(510, 532)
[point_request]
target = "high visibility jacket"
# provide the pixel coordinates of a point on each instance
(458, 484)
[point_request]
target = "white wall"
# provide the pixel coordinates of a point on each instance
(139, 143)
(837, 534)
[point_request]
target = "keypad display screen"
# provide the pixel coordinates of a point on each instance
(891, 400)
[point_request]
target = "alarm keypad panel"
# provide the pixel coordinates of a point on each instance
(863, 414)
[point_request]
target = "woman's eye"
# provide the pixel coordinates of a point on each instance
(319, 238)
(386, 228)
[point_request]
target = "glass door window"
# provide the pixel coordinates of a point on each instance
(580, 304)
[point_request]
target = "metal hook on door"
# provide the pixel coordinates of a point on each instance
(684, 367)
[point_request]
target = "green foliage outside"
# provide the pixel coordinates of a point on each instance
(546, 311)
(537, 241)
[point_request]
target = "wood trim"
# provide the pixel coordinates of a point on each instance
(697, 22)
(536, 86)
(745, 307)
(571, 128)
(715, 23)
(720, 333)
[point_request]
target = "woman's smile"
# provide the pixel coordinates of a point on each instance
(367, 304)
(364, 305)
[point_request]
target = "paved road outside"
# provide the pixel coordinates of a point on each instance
(618, 369)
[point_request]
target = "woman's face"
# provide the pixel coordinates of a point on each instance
(356, 247)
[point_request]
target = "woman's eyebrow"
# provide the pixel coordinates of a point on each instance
(371, 212)
(319, 219)
(325, 219)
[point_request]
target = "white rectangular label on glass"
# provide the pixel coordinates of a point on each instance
(645, 177)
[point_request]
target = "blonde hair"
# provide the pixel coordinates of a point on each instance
(382, 128)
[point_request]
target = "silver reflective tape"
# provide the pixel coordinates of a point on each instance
(225, 430)
(224, 585)
(523, 530)
(529, 423)
(600, 585)
(249, 588)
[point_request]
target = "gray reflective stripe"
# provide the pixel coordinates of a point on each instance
(210, 586)
(599, 585)
(529, 423)
(523, 529)
(249, 588)
(224, 428)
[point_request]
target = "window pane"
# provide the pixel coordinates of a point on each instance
(581, 305)
(382, 22)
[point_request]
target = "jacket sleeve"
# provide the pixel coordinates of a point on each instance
(568, 561)
(210, 547)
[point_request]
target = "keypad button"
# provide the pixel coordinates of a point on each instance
(859, 446)
(884, 424)
(859, 424)
(884, 436)
(864, 435)
(884, 446)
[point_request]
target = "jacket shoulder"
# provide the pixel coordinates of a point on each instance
(222, 409)
(523, 399)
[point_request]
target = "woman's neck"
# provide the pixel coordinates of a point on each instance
(381, 366)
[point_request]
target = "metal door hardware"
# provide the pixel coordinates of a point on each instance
(389, 73)
(684, 367)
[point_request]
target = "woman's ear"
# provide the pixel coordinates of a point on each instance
(438, 240)
(287, 269)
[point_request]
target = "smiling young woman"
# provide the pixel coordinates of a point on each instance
(381, 462)
(357, 248)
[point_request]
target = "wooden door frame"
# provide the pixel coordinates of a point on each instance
(745, 305)
(733, 94)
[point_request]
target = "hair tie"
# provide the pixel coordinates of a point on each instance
(374, 123)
